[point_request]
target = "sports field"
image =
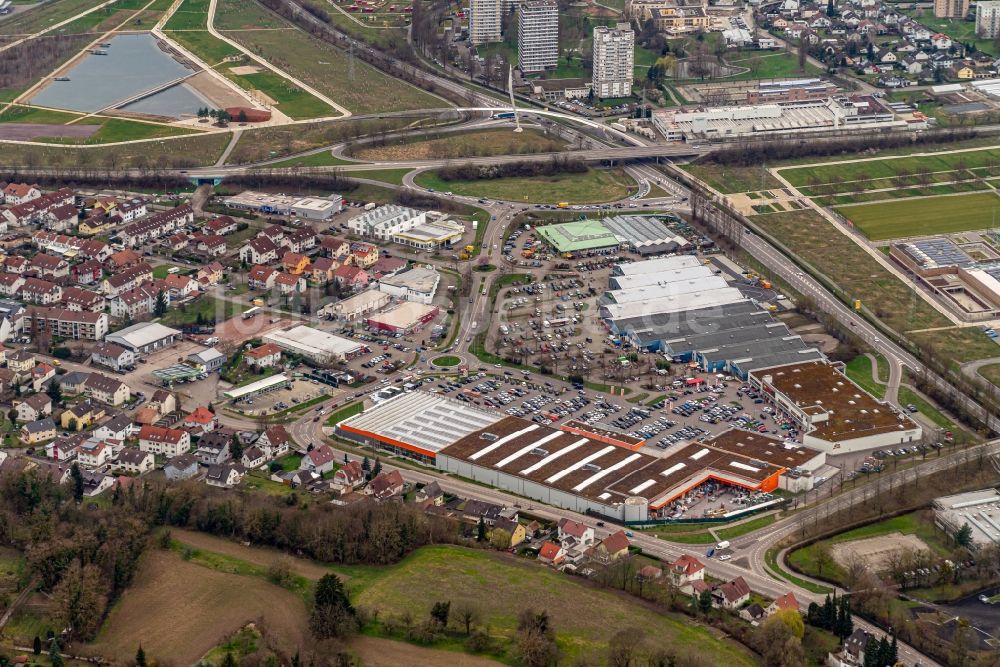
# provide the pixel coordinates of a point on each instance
(924, 216)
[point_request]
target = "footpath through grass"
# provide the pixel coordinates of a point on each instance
(594, 186)
(859, 370)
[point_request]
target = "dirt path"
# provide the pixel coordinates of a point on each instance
(263, 556)
(375, 652)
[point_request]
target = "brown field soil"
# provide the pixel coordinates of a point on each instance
(31, 131)
(237, 330)
(180, 611)
(457, 145)
(263, 556)
(377, 652)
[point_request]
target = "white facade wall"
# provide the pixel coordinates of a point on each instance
(538, 36)
(987, 19)
(485, 20)
(528, 488)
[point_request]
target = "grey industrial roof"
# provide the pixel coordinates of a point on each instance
(142, 334)
(757, 330)
(641, 230)
(668, 304)
(422, 419)
(665, 288)
(778, 359)
(207, 355)
(655, 265)
(668, 326)
(754, 349)
(664, 275)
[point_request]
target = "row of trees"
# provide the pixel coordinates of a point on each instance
(473, 172)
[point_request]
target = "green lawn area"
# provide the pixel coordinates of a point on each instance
(775, 65)
(446, 360)
(326, 68)
(746, 527)
(22, 114)
(244, 14)
(210, 309)
(957, 345)
(728, 179)
(291, 100)
(924, 216)
(111, 129)
(119, 129)
(44, 15)
(162, 271)
(321, 159)
(859, 275)
(991, 373)
(191, 15)
(595, 186)
(457, 574)
(908, 524)
(393, 176)
(345, 412)
(508, 52)
(188, 151)
(203, 44)
(908, 396)
(859, 370)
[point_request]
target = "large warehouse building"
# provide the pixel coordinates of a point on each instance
(835, 414)
(681, 308)
(416, 424)
(144, 337)
(571, 467)
(320, 346)
(644, 234)
(403, 317)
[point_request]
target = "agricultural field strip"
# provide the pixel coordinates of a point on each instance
(867, 169)
(213, 5)
(216, 34)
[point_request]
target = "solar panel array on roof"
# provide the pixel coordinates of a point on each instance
(937, 252)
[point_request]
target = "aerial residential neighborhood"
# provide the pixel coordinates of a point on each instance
(534, 333)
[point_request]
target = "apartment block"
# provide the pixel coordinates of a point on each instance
(484, 21)
(538, 36)
(614, 60)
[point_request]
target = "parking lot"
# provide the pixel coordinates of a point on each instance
(301, 391)
(683, 414)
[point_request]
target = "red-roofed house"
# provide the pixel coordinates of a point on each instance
(551, 554)
(201, 419)
(385, 485)
(685, 570)
(349, 477)
(319, 460)
(611, 548)
(287, 283)
(321, 270)
(261, 277)
(222, 225)
(350, 276)
(732, 594)
(581, 533)
(786, 601)
(19, 193)
(265, 356)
